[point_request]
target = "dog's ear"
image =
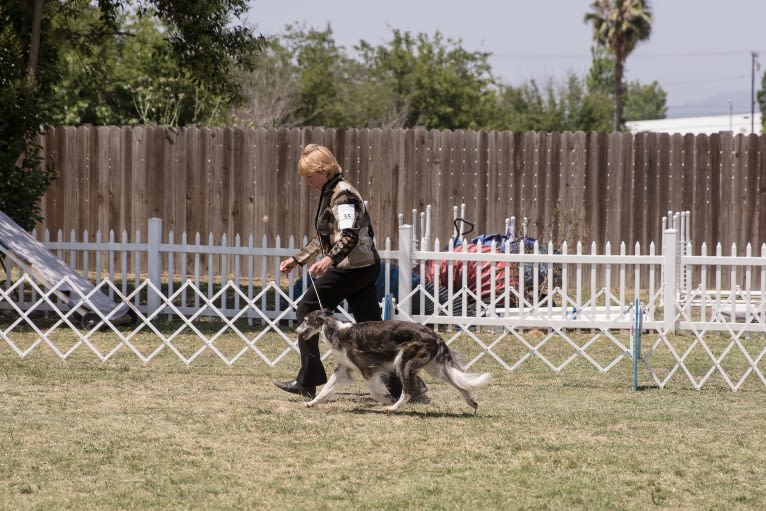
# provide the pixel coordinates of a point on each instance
(326, 313)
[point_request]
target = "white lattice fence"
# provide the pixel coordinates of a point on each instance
(45, 321)
(693, 332)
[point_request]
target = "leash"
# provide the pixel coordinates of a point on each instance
(311, 277)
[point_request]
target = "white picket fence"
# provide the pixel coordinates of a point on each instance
(702, 315)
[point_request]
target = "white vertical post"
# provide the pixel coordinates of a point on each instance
(153, 260)
(670, 274)
(455, 233)
(405, 267)
(426, 245)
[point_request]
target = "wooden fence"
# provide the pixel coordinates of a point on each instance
(572, 186)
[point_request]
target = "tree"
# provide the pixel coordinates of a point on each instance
(40, 39)
(639, 101)
(564, 107)
(25, 67)
(271, 90)
(619, 25)
(129, 78)
(601, 73)
(321, 68)
(434, 82)
(645, 102)
(305, 78)
(24, 175)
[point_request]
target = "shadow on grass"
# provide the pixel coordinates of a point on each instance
(364, 404)
(423, 413)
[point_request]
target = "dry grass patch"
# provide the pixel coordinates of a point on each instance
(83, 435)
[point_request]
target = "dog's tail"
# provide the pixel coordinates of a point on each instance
(467, 381)
(454, 372)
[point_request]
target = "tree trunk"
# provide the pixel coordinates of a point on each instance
(34, 51)
(619, 65)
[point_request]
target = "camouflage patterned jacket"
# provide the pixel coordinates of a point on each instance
(344, 230)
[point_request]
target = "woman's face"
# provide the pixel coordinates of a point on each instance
(318, 180)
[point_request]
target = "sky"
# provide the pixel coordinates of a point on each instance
(700, 51)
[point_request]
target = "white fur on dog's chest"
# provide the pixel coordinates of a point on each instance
(340, 354)
(342, 358)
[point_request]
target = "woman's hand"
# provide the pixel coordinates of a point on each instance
(320, 267)
(287, 265)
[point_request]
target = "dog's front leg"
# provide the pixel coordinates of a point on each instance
(404, 398)
(407, 383)
(339, 378)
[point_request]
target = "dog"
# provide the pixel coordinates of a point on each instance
(375, 348)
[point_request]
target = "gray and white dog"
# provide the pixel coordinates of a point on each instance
(375, 348)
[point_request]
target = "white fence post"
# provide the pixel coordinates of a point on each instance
(670, 276)
(153, 261)
(405, 267)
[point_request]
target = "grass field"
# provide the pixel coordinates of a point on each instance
(85, 434)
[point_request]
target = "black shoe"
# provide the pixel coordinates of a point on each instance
(296, 388)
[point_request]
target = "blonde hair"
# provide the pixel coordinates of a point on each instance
(317, 158)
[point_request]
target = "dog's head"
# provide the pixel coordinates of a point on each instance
(313, 323)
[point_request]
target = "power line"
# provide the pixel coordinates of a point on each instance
(540, 55)
(705, 54)
(706, 80)
(730, 53)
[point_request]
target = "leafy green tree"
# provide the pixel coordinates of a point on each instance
(307, 79)
(564, 107)
(24, 176)
(42, 41)
(619, 25)
(601, 73)
(322, 70)
(130, 78)
(435, 82)
(645, 102)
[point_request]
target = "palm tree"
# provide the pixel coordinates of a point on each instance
(619, 25)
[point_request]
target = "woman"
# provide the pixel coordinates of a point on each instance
(349, 266)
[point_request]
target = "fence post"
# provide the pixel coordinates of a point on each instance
(405, 267)
(153, 261)
(670, 277)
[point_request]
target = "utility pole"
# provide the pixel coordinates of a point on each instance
(731, 116)
(754, 65)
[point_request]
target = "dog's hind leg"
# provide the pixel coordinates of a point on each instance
(378, 389)
(465, 383)
(407, 364)
(446, 366)
(469, 399)
(339, 378)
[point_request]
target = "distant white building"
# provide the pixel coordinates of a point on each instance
(736, 123)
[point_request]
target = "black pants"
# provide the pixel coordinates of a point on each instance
(357, 287)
